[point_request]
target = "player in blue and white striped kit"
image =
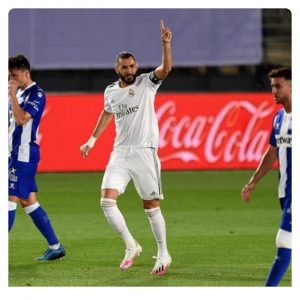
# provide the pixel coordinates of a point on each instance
(27, 103)
(280, 148)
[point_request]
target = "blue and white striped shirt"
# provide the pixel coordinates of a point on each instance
(281, 137)
(22, 139)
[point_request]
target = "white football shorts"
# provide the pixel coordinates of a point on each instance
(142, 165)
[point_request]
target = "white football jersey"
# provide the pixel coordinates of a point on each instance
(133, 109)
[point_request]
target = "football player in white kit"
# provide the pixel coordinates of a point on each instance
(131, 101)
(280, 148)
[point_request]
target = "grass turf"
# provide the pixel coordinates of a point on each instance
(214, 238)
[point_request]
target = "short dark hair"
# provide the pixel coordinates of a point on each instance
(124, 55)
(286, 73)
(18, 62)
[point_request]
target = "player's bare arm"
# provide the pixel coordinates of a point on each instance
(265, 165)
(102, 123)
(165, 68)
(20, 115)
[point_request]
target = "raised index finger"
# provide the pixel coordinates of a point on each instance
(162, 26)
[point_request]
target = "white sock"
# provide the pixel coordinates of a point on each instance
(31, 208)
(158, 226)
(117, 221)
(12, 205)
(55, 246)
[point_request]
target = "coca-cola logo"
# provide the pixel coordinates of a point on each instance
(233, 133)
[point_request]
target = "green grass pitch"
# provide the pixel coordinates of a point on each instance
(214, 238)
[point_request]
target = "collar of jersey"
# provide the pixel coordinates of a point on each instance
(26, 91)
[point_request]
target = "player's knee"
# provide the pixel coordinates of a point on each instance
(284, 239)
(110, 193)
(149, 204)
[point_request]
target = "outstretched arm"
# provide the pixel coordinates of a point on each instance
(165, 68)
(265, 165)
(102, 123)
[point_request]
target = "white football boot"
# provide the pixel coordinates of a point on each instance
(130, 255)
(161, 265)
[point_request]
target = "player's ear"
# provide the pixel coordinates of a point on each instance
(26, 73)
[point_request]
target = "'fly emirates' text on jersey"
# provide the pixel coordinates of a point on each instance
(133, 109)
(22, 139)
(281, 137)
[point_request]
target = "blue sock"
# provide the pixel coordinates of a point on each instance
(11, 218)
(42, 222)
(280, 265)
(12, 208)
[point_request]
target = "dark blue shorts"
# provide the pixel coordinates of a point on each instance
(21, 178)
(286, 219)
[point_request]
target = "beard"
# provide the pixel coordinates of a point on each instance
(126, 79)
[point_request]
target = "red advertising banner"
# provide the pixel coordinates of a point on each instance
(197, 131)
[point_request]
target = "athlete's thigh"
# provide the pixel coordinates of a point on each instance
(21, 179)
(145, 171)
(116, 174)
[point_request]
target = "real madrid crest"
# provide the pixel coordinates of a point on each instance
(131, 92)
